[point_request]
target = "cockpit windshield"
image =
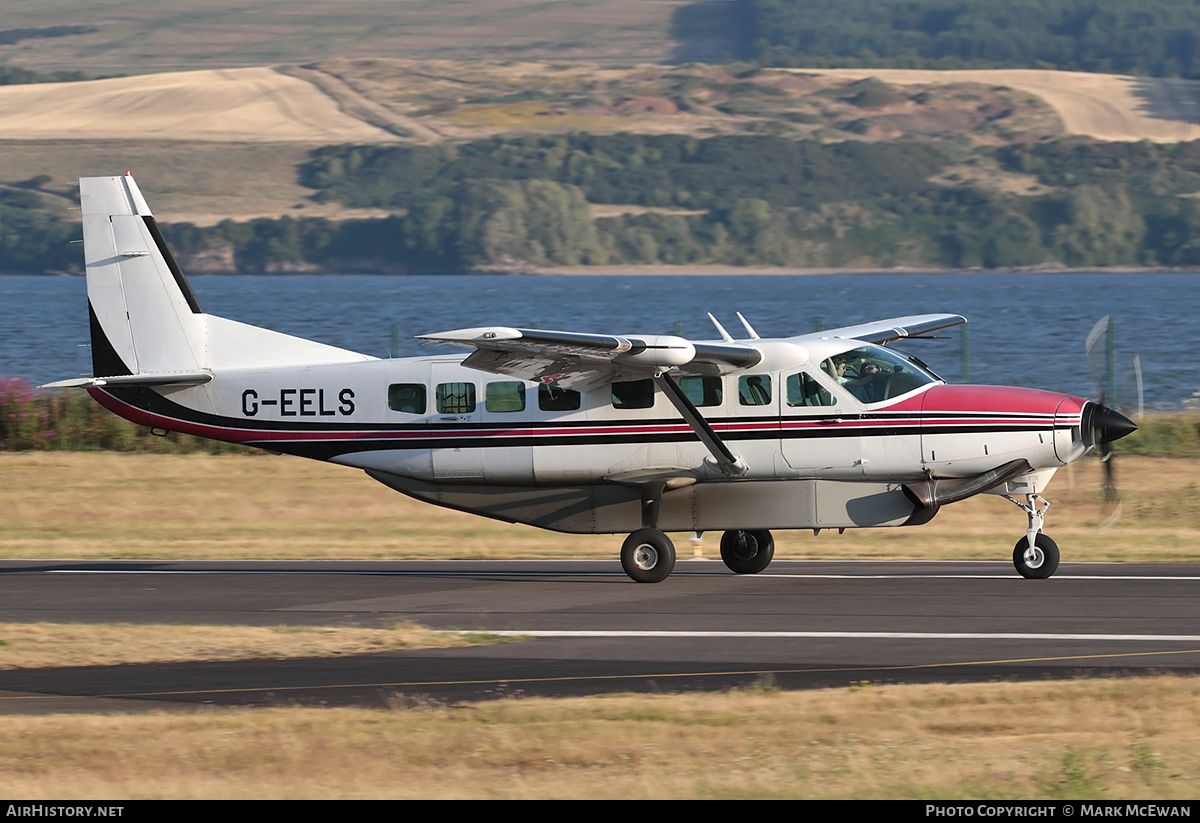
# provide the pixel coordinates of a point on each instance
(874, 374)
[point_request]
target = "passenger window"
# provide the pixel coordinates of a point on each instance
(802, 390)
(754, 390)
(508, 396)
(407, 397)
(635, 394)
(455, 398)
(554, 398)
(702, 391)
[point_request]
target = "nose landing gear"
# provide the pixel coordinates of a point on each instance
(1035, 556)
(1038, 561)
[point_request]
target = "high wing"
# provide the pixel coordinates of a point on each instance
(586, 361)
(897, 328)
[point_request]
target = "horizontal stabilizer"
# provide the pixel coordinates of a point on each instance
(194, 378)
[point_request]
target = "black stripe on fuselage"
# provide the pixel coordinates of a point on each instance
(481, 436)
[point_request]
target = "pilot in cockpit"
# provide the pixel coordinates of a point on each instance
(867, 381)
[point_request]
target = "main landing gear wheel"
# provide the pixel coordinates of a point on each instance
(648, 556)
(747, 552)
(1039, 562)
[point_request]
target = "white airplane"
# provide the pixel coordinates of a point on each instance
(588, 433)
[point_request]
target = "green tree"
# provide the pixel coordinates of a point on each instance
(763, 235)
(1102, 228)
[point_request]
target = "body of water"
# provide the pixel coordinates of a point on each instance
(1025, 329)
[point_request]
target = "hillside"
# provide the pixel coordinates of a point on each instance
(215, 144)
(373, 101)
(512, 164)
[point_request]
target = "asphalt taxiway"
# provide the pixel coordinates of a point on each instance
(589, 629)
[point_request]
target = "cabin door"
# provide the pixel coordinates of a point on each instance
(819, 431)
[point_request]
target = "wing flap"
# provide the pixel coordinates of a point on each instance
(579, 360)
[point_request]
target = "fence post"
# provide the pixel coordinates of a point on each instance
(964, 346)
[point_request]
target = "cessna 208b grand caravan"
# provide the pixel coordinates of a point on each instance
(588, 433)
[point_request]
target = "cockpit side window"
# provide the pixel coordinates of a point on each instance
(874, 374)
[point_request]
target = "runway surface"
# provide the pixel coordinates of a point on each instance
(589, 629)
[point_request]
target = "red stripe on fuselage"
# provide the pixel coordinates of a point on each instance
(959, 406)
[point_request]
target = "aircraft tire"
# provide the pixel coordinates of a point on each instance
(1041, 562)
(648, 556)
(747, 551)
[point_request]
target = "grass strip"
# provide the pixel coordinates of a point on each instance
(43, 645)
(103, 505)
(1103, 739)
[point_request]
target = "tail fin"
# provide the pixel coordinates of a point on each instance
(145, 317)
(147, 325)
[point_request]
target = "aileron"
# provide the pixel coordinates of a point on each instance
(899, 328)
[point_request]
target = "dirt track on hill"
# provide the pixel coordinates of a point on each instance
(261, 105)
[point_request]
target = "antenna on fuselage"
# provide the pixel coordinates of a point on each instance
(749, 329)
(726, 336)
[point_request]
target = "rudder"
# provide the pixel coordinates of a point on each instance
(145, 318)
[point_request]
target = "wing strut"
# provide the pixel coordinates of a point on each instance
(727, 462)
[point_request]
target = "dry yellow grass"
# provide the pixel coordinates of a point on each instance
(104, 505)
(256, 105)
(1095, 739)
(44, 645)
(531, 116)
